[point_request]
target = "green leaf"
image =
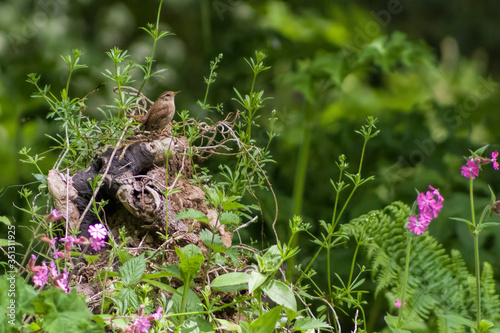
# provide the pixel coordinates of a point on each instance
(212, 241)
(5, 220)
(90, 258)
(281, 294)
(227, 326)
(132, 270)
(23, 297)
(256, 280)
(129, 299)
(172, 270)
(160, 285)
(228, 217)
(493, 196)
(190, 258)
(192, 214)
(157, 275)
(64, 312)
(231, 282)
(193, 304)
(271, 260)
(462, 220)
(457, 319)
(481, 150)
(487, 225)
(308, 323)
(40, 178)
(267, 322)
(486, 325)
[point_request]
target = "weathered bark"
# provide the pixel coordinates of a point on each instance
(134, 189)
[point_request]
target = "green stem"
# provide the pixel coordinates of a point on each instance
(184, 299)
(405, 279)
(110, 262)
(150, 64)
(352, 264)
(336, 200)
(477, 269)
(250, 113)
(299, 184)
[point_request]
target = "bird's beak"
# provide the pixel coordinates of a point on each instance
(176, 92)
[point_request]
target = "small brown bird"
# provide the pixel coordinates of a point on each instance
(160, 114)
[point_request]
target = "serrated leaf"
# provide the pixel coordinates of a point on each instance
(231, 282)
(309, 323)
(129, 298)
(281, 294)
(190, 260)
(229, 217)
(192, 214)
(132, 270)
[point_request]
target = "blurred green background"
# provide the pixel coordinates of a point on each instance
(426, 69)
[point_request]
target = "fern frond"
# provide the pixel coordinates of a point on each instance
(439, 284)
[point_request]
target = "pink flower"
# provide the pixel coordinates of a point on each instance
(97, 231)
(97, 244)
(471, 170)
(398, 303)
(53, 269)
(55, 215)
(52, 242)
(142, 325)
(62, 281)
(69, 241)
(59, 255)
(494, 156)
(417, 226)
(31, 263)
(42, 275)
(429, 208)
(425, 201)
(157, 314)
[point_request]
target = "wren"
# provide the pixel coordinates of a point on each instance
(160, 114)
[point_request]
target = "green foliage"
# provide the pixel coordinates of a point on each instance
(439, 286)
(54, 310)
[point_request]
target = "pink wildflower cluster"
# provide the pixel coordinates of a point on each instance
(429, 208)
(471, 170)
(44, 273)
(142, 324)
